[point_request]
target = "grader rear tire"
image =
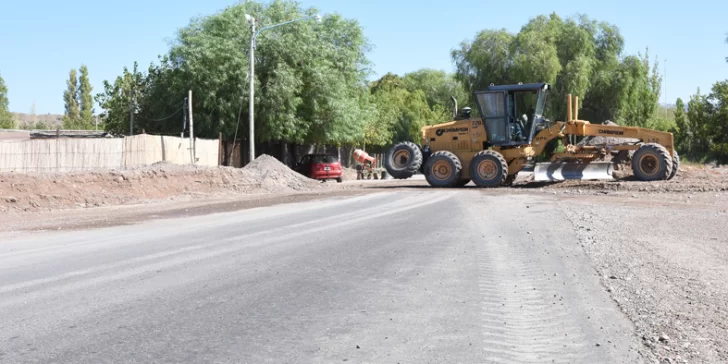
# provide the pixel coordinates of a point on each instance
(651, 162)
(443, 169)
(403, 160)
(488, 169)
(675, 164)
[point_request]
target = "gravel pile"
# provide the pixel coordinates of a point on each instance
(272, 175)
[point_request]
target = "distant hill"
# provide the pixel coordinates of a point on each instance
(50, 120)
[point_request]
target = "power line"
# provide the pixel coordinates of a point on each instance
(171, 115)
(235, 138)
(168, 117)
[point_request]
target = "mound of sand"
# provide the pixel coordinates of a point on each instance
(28, 192)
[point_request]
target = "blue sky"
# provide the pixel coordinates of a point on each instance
(41, 40)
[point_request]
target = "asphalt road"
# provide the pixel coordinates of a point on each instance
(421, 276)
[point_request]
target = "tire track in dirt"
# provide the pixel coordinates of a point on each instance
(522, 321)
(540, 302)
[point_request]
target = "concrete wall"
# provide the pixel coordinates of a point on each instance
(88, 154)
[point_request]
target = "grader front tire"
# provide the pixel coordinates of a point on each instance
(403, 160)
(651, 162)
(488, 169)
(443, 169)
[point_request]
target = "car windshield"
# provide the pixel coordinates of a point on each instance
(324, 159)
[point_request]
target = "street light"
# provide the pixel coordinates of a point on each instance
(253, 39)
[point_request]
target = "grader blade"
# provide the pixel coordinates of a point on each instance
(562, 171)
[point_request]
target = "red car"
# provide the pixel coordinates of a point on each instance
(320, 166)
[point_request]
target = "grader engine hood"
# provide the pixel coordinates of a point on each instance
(447, 132)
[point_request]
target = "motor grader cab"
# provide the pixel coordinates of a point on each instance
(493, 148)
(499, 111)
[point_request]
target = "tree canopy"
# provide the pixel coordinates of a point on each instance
(70, 99)
(6, 118)
(85, 100)
(78, 100)
(702, 131)
(580, 56)
(310, 78)
(407, 103)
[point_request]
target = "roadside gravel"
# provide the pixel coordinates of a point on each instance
(664, 259)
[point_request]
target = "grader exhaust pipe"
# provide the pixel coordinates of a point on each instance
(455, 105)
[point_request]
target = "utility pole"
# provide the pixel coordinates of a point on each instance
(192, 128)
(253, 36)
(131, 112)
(251, 117)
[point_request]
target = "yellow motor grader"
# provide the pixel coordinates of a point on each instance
(491, 149)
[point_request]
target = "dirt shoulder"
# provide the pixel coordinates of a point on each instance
(15, 223)
(664, 259)
(97, 199)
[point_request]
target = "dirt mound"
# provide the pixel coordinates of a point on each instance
(273, 175)
(28, 192)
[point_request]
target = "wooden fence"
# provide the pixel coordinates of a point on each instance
(89, 154)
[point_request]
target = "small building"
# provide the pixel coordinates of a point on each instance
(85, 134)
(12, 134)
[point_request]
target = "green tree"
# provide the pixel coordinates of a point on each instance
(718, 127)
(402, 112)
(485, 60)
(310, 78)
(438, 87)
(6, 118)
(40, 125)
(85, 99)
(699, 114)
(72, 115)
(702, 132)
(578, 56)
(682, 132)
(116, 100)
